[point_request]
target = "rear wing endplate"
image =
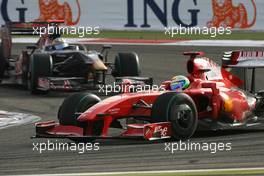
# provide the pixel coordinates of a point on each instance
(21, 28)
(247, 60)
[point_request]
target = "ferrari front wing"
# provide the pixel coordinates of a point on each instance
(151, 131)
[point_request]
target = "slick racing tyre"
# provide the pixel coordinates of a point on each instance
(260, 103)
(126, 64)
(2, 64)
(40, 65)
(75, 104)
(180, 110)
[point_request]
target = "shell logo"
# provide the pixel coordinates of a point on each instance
(228, 105)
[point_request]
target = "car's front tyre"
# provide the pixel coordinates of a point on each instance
(180, 110)
(75, 104)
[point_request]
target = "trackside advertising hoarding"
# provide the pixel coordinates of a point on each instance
(139, 14)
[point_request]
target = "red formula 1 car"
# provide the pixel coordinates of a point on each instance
(213, 99)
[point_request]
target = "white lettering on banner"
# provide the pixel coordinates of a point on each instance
(139, 14)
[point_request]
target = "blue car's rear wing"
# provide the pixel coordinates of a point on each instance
(29, 28)
(21, 28)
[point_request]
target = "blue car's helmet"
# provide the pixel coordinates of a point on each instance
(59, 44)
(179, 83)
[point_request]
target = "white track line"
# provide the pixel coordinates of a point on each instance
(227, 43)
(224, 43)
(153, 172)
(35, 39)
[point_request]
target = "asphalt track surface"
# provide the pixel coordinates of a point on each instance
(161, 62)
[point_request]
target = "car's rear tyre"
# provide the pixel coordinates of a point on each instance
(259, 111)
(75, 104)
(126, 64)
(2, 64)
(40, 65)
(180, 110)
(25, 69)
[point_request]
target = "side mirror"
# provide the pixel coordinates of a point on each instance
(208, 85)
(193, 54)
(211, 85)
(204, 69)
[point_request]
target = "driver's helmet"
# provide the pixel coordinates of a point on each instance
(59, 44)
(54, 32)
(179, 83)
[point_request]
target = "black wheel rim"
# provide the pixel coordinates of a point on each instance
(184, 116)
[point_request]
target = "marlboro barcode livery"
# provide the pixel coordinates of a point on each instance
(209, 96)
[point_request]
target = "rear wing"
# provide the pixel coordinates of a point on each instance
(29, 28)
(17, 28)
(243, 59)
(21, 28)
(247, 61)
